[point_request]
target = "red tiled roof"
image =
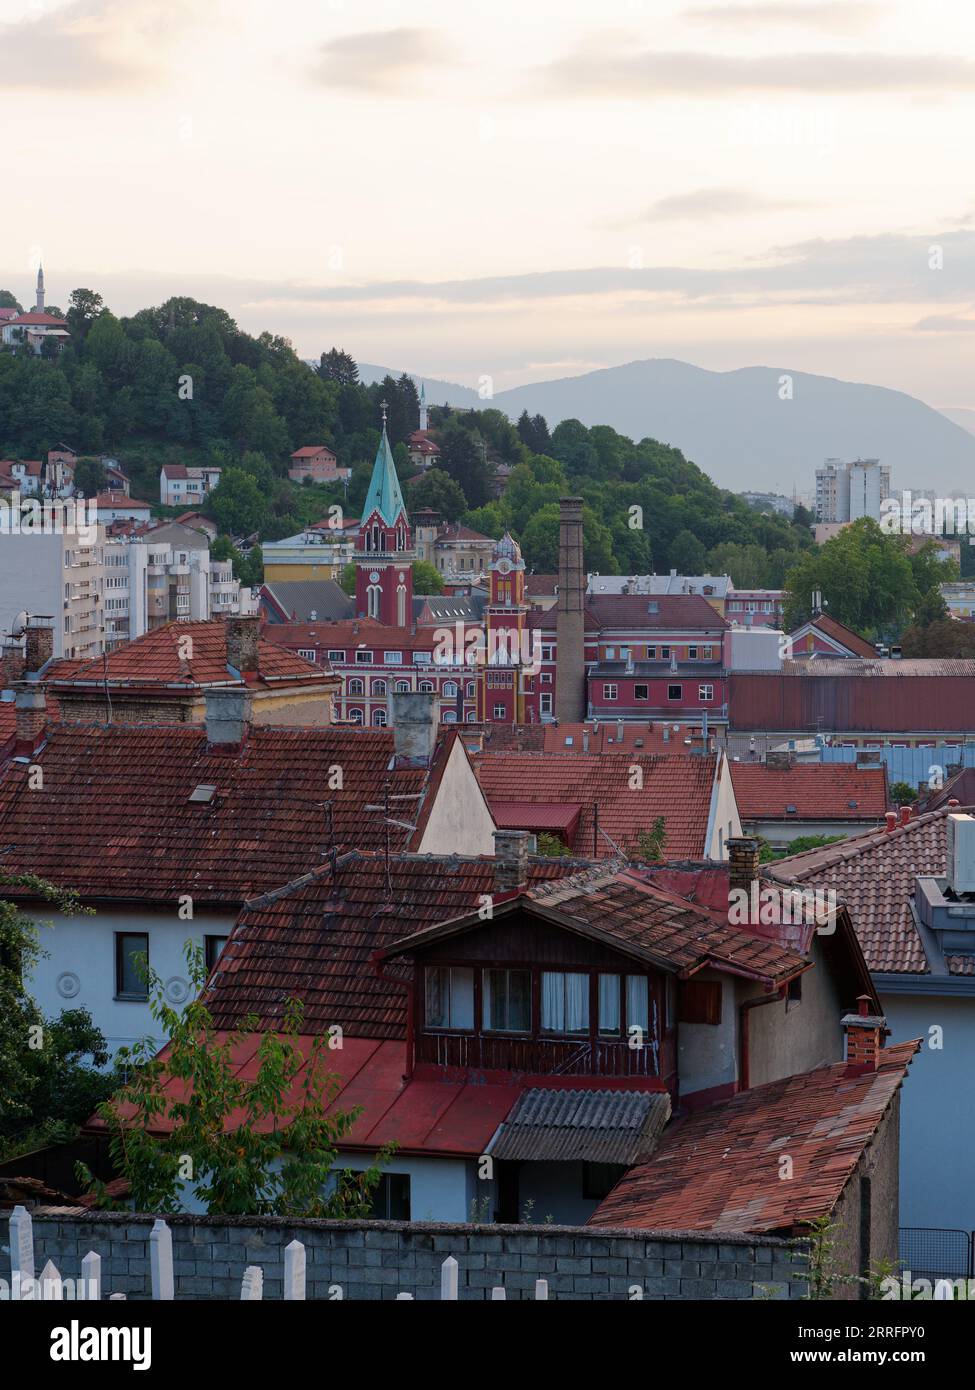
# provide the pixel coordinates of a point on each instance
(119, 499)
(844, 635)
(719, 1169)
(315, 940)
(873, 874)
(677, 788)
(114, 819)
(818, 791)
(354, 632)
(677, 611)
(155, 660)
(36, 318)
(310, 450)
(621, 908)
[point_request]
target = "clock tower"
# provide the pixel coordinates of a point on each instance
(384, 547)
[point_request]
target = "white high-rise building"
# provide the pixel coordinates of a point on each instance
(848, 491)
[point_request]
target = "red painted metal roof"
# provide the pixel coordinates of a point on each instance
(535, 815)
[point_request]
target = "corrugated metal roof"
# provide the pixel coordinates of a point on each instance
(574, 1125)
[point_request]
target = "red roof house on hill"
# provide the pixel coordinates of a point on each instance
(781, 799)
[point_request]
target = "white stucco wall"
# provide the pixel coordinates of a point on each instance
(81, 956)
(724, 821)
(708, 1052)
(440, 1188)
(460, 822)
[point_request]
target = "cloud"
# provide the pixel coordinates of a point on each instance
(704, 203)
(615, 72)
(946, 323)
(379, 61)
(91, 44)
(830, 14)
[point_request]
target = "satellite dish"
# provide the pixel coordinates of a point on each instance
(20, 624)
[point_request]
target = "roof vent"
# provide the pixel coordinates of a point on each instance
(790, 810)
(653, 606)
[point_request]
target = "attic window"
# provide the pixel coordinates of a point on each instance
(790, 810)
(852, 805)
(653, 607)
(569, 740)
(203, 794)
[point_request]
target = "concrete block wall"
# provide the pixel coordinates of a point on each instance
(379, 1259)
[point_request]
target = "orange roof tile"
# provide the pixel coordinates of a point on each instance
(818, 791)
(719, 1169)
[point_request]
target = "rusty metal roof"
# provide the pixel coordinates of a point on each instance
(592, 1126)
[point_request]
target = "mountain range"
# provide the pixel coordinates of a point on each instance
(761, 428)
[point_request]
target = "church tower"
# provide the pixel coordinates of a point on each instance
(423, 407)
(39, 306)
(384, 547)
(503, 682)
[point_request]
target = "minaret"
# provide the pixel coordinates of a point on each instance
(39, 306)
(423, 407)
(384, 546)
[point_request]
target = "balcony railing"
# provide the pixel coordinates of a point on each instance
(538, 1056)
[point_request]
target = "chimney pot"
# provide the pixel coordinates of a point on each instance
(953, 801)
(905, 814)
(865, 1032)
(243, 630)
(891, 819)
(510, 860)
(228, 714)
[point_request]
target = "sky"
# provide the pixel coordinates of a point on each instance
(520, 189)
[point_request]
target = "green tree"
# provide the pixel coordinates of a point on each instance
(440, 493)
(463, 456)
(84, 307)
(649, 846)
(426, 580)
(338, 366)
(864, 576)
(687, 554)
(237, 504)
(551, 846)
(902, 793)
(9, 301)
(89, 476)
(258, 1142)
(941, 638)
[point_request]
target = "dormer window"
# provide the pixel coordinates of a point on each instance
(565, 1002)
(449, 997)
(507, 1001)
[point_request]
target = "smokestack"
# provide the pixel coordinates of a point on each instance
(510, 860)
(31, 717)
(38, 644)
(228, 714)
(570, 688)
(11, 664)
(414, 727)
(864, 1037)
(243, 631)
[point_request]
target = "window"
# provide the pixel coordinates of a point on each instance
(470, 690)
(213, 946)
(637, 1002)
(363, 658)
(706, 653)
(565, 1001)
(675, 692)
(705, 692)
(422, 658)
(355, 716)
(393, 658)
(692, 653)
(670, 1003)
(449, 690)
(609, 1004)
(651, 653)
(129, 981)
(641, 692)
(665, 653)
(449, 716)
(379, 718)
(356, 686)
(609, 654)
(308, 653)
(545, 704)
(426, 686)
(401, 686)
(336, 656)
(449, 997)
(546, 678)
(794, 995)
(548, 653)
(700, 1002)
(499, 712)
(391, 1198)
(507, 1001)
(379, 687)
(610, 692)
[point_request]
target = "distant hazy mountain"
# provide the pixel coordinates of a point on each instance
(736, 426)
(965, 418)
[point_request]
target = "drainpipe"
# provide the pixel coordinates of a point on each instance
(743, 1012)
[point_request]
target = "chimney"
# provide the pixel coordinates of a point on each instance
(780, 759)
(11, 664)
(570, 690)
(891, 819)
(228, 714)
(38, 644)
(243, 631)
(864, 1037)
(510, 860)
(742, 861)
(31, 717)
(414, 726)
(905, 814)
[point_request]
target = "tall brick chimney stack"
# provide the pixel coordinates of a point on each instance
(865, 1033)
(743, 861)
(31, 717)
(570, 680)
(510, 860)
(11, 663)
(242, 634)
(38, 644)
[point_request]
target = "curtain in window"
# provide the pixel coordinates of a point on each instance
(436, 997)
(636, 1002)
(577, 1003)
(609, 1003)
(553, 1001)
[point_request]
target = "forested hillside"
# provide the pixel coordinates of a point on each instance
(182, 383)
